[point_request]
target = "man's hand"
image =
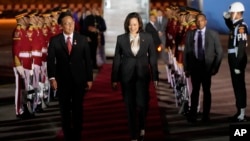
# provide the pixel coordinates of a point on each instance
(89, 83)
(53, 84)
(114, 85)
(237, 71)
(156, 84)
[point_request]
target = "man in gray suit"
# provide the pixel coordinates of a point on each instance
(161, 24)
(202, 58)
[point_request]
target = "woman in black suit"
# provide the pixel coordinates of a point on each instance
(70, 73)
(134, 65)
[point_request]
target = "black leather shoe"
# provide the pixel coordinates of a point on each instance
(191, 118)
(205, 119)
(25, 115)
(241, 120)
(39, 109)
(233, 118)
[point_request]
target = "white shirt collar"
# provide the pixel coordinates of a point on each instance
(202, 30)
(66, 36)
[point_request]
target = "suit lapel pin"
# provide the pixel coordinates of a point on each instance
(74, 42)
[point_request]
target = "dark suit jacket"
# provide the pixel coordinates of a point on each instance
(65, 67)
(125, 64)
(151, 29)
(162, 28)
(213, 51)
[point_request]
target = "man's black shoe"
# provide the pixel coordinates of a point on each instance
(25, 115)
(233, 118)
(240, 120)
(39, 109)
(205, 119)
(191, 119)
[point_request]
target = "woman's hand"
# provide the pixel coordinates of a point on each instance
(89, 85)
(53, 84)
(156, 84)
(114, 85)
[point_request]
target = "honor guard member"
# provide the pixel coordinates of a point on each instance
(181, 36)
(171, 28)
(237, 56)
(43, 82)
(21, 52)
(55, 28)
(171, 35)
(191, 17)
(36, 43)
(46, 35)
(92, 29)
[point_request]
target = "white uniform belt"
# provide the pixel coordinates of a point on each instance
(24, 54)
(231, 50)
(36, 53)
(181, 48)
(44, 50)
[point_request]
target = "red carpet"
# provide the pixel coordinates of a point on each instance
(105, 115)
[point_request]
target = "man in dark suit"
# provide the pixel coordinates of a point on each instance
(70, 74)
(161, 25)
(151, 28)
(134, 66)
(202, 58)
(93, 27)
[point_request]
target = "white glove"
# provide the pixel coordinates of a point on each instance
(237, 71)
(156, 84)
(20, 70)
(226, 15)
(31, 72)
(32, 69)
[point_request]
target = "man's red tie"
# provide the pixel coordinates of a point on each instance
(69, 45)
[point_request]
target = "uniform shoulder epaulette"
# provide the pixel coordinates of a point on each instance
(184, 23)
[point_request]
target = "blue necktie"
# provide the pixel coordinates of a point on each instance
(200, 52)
